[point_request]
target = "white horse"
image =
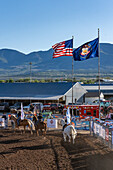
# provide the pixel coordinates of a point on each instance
(70, 131)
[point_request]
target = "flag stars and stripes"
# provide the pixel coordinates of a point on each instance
(63, 49)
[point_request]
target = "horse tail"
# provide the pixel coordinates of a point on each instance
(45, 127)
(31, 124)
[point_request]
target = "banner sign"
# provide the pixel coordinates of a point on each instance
(100, 131)
(107, 134)
(52, 123)
(110, 135)
(81, 125)
(103, 132)
(2, 122)
(94, 128)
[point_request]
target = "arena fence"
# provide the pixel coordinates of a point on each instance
(102, 130)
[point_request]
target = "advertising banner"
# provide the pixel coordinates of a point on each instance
(94, 128)
(52, 123)
(110, 135)
(107, 134)
(103, 132)
(82, 125)
(100, 131)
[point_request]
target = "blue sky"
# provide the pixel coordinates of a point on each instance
(34, 25)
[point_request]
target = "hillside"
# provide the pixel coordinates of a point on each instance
(13, 62)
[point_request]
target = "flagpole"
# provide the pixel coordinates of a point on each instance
(72, 82)
(99, 70)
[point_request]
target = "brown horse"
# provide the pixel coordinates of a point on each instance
(39, 125)
(24, 123)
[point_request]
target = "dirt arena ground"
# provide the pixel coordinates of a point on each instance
(31, 152)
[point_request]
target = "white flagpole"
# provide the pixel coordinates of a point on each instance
(99, 71)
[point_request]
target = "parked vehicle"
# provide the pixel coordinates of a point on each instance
(39, 106)
(47, 107)
(103, 103)
(83, 110)
(60, 108)
(16, 106)
(4, 106)
(53, 107)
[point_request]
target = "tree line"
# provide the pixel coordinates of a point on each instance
(27, 80)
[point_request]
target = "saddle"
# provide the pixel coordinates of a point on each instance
(18, 121)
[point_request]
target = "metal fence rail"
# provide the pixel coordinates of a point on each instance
(103, 132)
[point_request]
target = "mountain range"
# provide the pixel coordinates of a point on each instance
(13, 62)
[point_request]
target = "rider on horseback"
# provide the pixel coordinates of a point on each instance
(40, 117)
(66, 123)
(19, 118)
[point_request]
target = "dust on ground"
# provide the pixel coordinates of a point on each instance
(30, 152)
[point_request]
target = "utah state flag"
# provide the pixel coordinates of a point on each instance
(86, 51)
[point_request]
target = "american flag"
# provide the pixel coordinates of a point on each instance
(64, 48)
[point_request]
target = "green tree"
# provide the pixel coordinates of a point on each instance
(36, 81)
(27, 80)
(11, 81)
(7, 81)
(2, 81)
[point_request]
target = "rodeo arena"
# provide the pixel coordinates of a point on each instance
(40, 127)
(60, 125)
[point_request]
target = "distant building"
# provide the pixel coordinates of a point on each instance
(42, 92)
(105, 81)
(106, 91)
(92, 96)
(54, 92)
